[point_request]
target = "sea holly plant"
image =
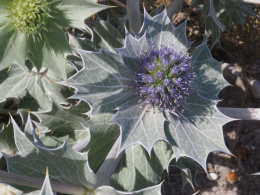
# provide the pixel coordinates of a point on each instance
(139, 105)
(158, 89)
(34, 30)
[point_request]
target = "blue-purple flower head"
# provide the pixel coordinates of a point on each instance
(164, 78)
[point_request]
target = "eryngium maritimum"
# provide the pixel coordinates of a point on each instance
(34, 30)
(160, 92)
(29, 16)
(164, 77)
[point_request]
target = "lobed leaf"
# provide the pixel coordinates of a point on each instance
(65, 164)
(103, 136)
(138, 170)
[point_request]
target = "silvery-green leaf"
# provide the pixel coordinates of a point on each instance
(138, 170)
(103, 135)
(65, 165)
(139, 124)
(213, 26)
(7, 144)
(46, 186)
(63, 123)
(188, 169)
(106, 35)
(237, 11)
(73, 13)
(104, 82)
(99, 37)
(46, 48)
(198, 130)
(160, 31)
(107, 190)
(39, 86)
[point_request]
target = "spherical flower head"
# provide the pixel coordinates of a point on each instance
(164, 78)
(29, 16)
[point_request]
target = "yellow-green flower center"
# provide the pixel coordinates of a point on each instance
(29, 16)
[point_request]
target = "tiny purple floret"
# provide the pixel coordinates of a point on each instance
(164, 78)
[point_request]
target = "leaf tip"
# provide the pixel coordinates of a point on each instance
(69, 86)
(47, 172)
(10, 114)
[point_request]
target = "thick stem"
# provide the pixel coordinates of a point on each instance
(241, 113)
(12, 178)
(174, 7)
(109, 165)
(134, 15)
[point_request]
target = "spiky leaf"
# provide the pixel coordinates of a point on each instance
(63, 123)
(45, 48)
(138, 170)
(103, 136)
(65, 164)
(7, 144)
(39, 87)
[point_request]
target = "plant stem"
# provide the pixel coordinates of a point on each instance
(119, 3)
(176, 4)
(134, 15)
(12, 178)
(241, 113)
(109, 165)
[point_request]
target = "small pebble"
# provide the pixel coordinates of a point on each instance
(212, 176)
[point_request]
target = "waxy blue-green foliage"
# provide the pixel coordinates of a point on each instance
(154, 90)
(31, 29)
(107, 79)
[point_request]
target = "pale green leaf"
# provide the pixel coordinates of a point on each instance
(237, 11)
(139, 124)
(48, 48)
(138, 170)
(38, 88)
(188, 169)
(104, 81)
(7, 144)
(103, 135)
(63, 123)
(65, 164)
(73, 13)
(160, 31)
(213, 26)
(107, 36)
